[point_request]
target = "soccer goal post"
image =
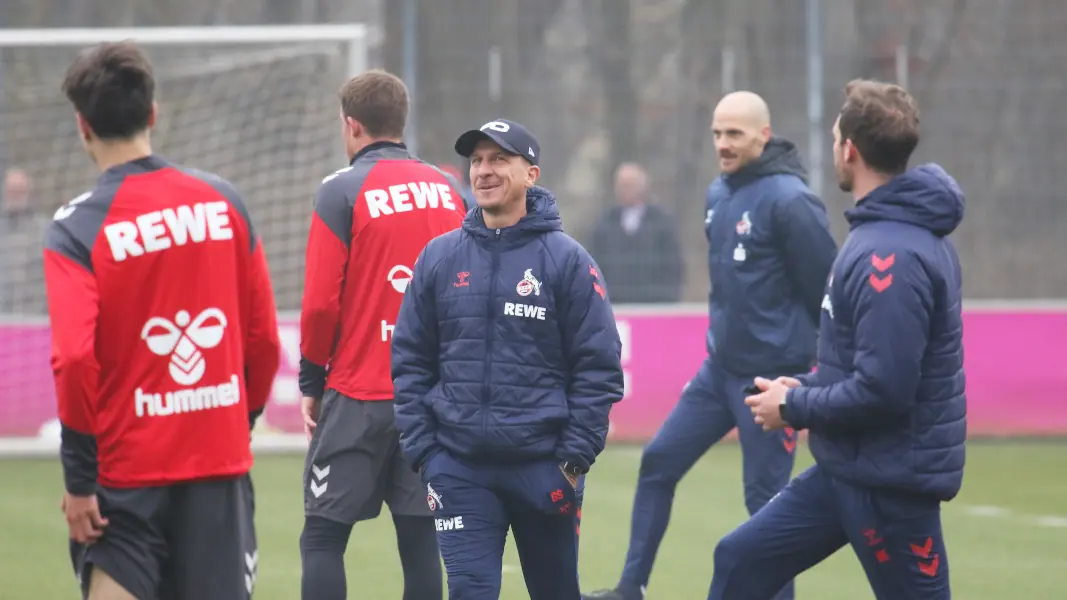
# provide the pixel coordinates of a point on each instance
(256, 104)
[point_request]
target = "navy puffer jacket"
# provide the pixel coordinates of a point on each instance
(506, 348)
(887, 405)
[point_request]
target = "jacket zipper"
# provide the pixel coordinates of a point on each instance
(490, 332)
(722, 254)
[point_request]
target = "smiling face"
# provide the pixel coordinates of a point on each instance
(499, 179)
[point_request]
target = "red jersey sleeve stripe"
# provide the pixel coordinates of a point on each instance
(262, 346)
(73, 306)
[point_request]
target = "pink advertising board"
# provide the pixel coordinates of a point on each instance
(1016, 364)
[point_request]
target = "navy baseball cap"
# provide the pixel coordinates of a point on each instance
(509, 135)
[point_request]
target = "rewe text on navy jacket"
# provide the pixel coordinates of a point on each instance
(506, 349)
(887, 406)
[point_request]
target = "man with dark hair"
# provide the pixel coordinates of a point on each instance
(165, 264)
(886, 409)
(769, 252)
(506, 362)
(371, 220)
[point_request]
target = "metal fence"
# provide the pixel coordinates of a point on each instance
(601, 82)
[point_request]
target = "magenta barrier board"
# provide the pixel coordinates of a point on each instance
(1016, 364)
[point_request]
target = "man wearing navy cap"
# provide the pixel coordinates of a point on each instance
(505, 364)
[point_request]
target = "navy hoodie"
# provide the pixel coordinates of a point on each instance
(769, 252)
(887, 406)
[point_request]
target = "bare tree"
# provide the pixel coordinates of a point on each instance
(457, 43)
(610, 54)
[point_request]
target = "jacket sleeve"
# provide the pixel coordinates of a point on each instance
(262, 346)
(890, 296)
(709, 204)
(73, 307)
(811, 378)
(593, 350)
(803, 234)
(324, 279)
(415, 365)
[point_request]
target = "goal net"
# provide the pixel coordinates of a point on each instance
(256, 105)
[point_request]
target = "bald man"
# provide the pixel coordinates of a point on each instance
(21, 266)
(769, 254)
(635, 243)
(15, 197)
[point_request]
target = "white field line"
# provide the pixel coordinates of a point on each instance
(971, 510)
(999, 512)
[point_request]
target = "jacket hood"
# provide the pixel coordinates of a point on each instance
(780, 157)
(542, 215)
(925, 196)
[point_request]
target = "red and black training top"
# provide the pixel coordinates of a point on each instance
(371, 221)
(164, 329)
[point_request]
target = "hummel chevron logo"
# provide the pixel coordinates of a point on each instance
(68, 209)
(881, 284)
(928, 568)
(883, 264)
(318, 483)
(924, 550)
(251, 559)
(186, 366)
(789, 442)
(183, 339)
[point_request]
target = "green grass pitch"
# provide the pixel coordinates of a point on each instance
(1005, 532)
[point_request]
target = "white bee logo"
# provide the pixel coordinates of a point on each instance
(183, 339)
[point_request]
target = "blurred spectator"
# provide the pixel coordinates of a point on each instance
(21, 244)
(636, 244)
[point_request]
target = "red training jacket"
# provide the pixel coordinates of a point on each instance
(164, 329)
(371, 221)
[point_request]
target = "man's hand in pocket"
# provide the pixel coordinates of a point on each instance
(571, 479)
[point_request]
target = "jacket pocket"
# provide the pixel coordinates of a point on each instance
(893, 506)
